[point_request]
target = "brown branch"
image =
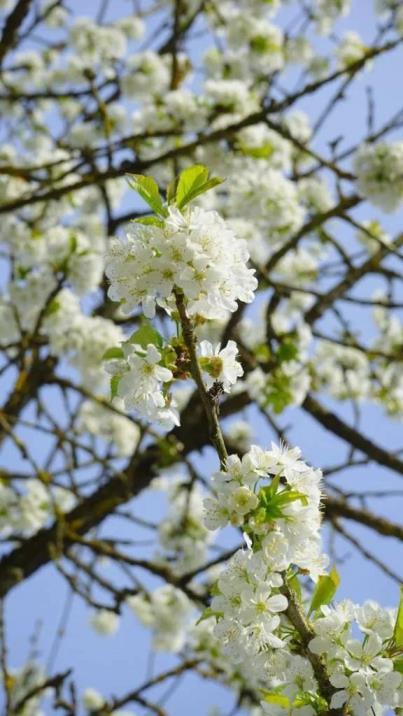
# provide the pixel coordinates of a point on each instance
(54, 682)
(314, 223)
(352, 276)
(24, 389)
(338, 427)
(37, 551)
(305, 635)
(9, 36)
(365, 552)
(340, 508)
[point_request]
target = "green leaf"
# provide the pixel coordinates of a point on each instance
(398, 630)
(171, 190)
(261, 44)
(189, 181)
(72, 243)
(287, 496)
(274, 501)
(193, 182)
(147, 187)
(296, 587)
(325, 590)
(398, 665)
(277, 392)
(287, 352)
(207, 613)
(271, 697)
(52, 307)
(112, 353)
(115, 380)
(168, 357)
(145, 335)
(263, 152)
(307, 698)
(149, 221)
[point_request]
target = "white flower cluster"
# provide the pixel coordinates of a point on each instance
(195, 252)
(388, 389)
(24, 681)
(183, 537)
(60, 249)
(105, 622)
(100, 421)
(93, 701)
(166, 612)
(327, 12)
(27, 511)
(345, 372)
(142, 383)
(351, 49)
(247, 606)
(219, 364)
(281, 519)
(379, 170)
(267, 198)
(360, 669)
(82, 339)
(275, 498)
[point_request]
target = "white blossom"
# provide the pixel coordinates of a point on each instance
(379, 170)
(105, 622)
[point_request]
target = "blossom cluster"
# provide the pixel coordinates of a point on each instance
(26, 511)
(247, 633)
(361, 669)
(282, 515)
(142, 383)
(281, 522)
(379, 170)
(183, 537)
(274, 497)
(166, 611)
(194, 252)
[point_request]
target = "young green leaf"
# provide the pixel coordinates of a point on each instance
(287, 351)
(274, 501)
(149, 221)
(115, 385)
(52, 307)
(398, 665)
(171, 190)
(263, 152)
(145, 335)
(207, 613)
(325, 590)
(193, 182)
(147, 188)
(296, 587)
(112, 353)
(398, 630)
(271, 697)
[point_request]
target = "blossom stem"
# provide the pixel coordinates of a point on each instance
(299, 621)
(208, 402)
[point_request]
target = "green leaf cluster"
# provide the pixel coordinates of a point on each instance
(278, 393)
(192, 182)
(273, 501)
